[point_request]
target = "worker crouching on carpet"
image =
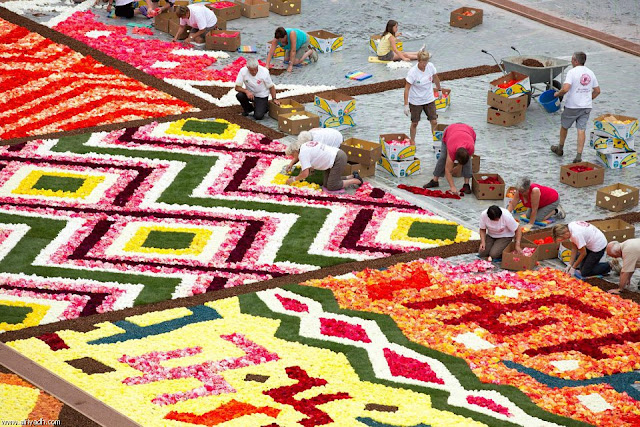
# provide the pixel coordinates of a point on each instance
(542, 202)
(199, 18)
(589, 244)
(497, 229)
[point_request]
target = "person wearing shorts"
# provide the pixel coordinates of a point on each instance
(295, 43)
(418, 93)
(387, 49)
(580, 88)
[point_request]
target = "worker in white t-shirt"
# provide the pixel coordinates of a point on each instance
(629, 251)
(580, 88)
(127, 8)
(199, 18)
(497, 229)
(418, 93)
(254, 96)
(315, 156)
(589, 244)
(326, 136)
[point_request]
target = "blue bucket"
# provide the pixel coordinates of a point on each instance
(548, 101)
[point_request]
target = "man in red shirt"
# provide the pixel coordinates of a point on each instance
(458, 144)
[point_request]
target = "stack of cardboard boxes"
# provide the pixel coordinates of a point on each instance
(292, 117)
(398, 155)
(508, 99)
(613, 139)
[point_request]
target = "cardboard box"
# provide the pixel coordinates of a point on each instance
(366, 171)
(616, 130)
(350, 168)
(515, 261)
(605, 143)
(564, 252)
(221, 24)
(294, 127)
(226, 13)
(438, 134)
(174, 27)
(214, 41)
(401, 168)
(325, 42)
(400, 150)
(335, 109)
(254, 8)
(487, 191)
(181, 3)
(502, 118)
(546, 250)
(366, 153)
(509, 105)
(278, 53)
(161, 22)
(606, 200)
(522, 86)
(618, 160)
(459, 20)
(582, 179)
(275, 110)
(443, 104)
(374, 41)
(615, 229)
(286, 7)
(475, 167)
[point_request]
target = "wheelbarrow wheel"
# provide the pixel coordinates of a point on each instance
(557, 85)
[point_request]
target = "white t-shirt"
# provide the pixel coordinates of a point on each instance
(200, 17)
(421, 91)
(123, 2)
(630, 255)
(584, 234)
(318, 156)
(259, 84)
(505, 226)
(582, 81)
(327, 136)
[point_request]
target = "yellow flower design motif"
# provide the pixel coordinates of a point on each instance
(26, 186)
(176, 128)
(402, 231)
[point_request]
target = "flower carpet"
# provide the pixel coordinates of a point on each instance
(46, 87)
(99, 222)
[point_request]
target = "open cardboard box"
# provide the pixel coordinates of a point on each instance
(400, 168)
(174, 27)
(523, 85)
(401, 150)
(509, 105)
(350, 168)
(161, 22)
(459, 20)
(226, 13)
(286, 7)
(515, 261)
(615, 229)
(275, 110)
(618, 160)
(366, 171)
(294, 127)
(606, 200)
(616, 130)
(365, 152)
(546, 250)
(325, 42)
(502, 118)
(605, 143)
(336, 110)
(564, 251)
(582, 179)
(487, 191)
(254, 8)
(214, 41)
(443, 104)
(438, 133)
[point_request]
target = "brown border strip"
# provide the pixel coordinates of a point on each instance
(568, 26)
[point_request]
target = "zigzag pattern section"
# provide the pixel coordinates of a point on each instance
(103, 221)
(46, 87)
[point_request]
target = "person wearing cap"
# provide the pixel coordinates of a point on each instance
(629, 251)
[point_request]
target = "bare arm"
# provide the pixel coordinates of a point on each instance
(561, 92)
(272, 50)
(582, 253)
(407, 86)
(272, 90)
(595, 93)
(518, 239)
(436, 80)
(301, 177)
(293, 161)
(535, 204)
(181, 30)
(293, 39)
(394, 48)
(483, 236)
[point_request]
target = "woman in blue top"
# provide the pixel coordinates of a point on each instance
(295, 43)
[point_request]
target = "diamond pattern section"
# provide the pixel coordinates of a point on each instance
(62, 184)
(12, 314)
(169, 240)
(430, 230)
(165, 240)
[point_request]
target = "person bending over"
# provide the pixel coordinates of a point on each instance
(458, 144)
(589, 244)
(497, 229)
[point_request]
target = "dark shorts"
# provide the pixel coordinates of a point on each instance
(429, 109)
(126, 11)
(579, 116)
(386, 57)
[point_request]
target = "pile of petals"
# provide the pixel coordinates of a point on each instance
(398, 141)
(527, 251)
(298, 117)
(580, 168)
(430, 193)
(221, 5)
(508, 84)
(227, 35)
(544, 241)
(619, 192)
(115, 42)
(490, 180)
(142, 31)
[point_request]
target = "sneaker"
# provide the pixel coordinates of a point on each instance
(314, 55)
(561, 213)
(578, 158)
(466, 189)
(614, 263)
(431, 184)
(557, 149)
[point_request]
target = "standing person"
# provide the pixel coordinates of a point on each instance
(295, 43)
(254, 96)
(629, 251)
(331, 160)
(387, 49)
(497, 229)
(418, 93)
(199, 18)
(581, 88)
(458, 144)
(589, 244)
(326, 136)
(543, 202)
